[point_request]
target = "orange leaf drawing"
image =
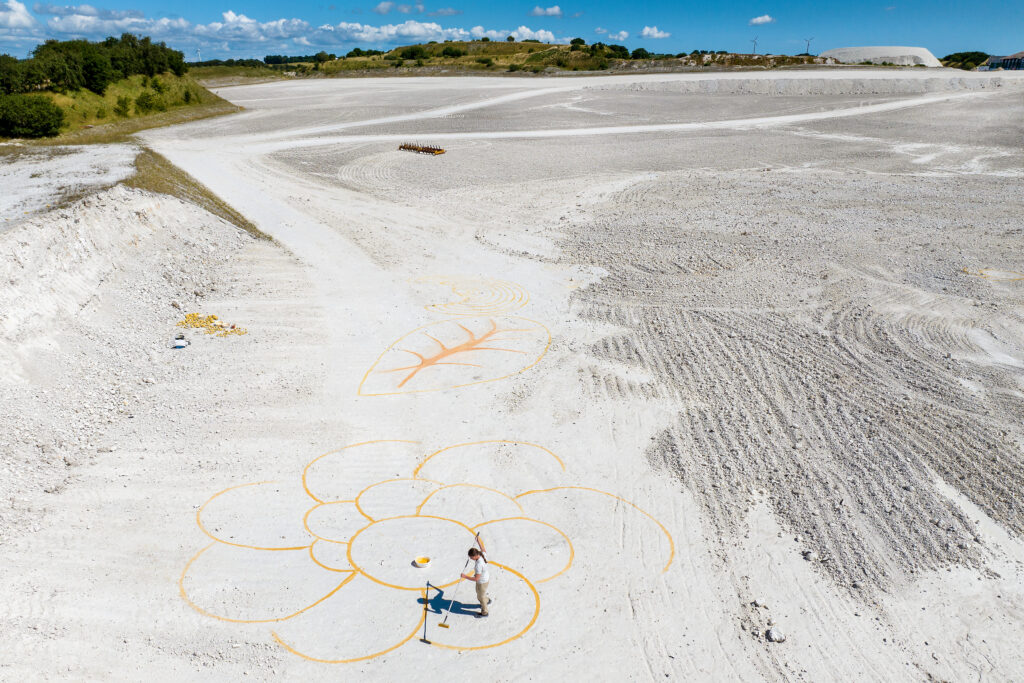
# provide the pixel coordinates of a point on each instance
(457, 353)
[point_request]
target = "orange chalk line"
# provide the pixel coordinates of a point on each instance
(671, 542)
(480, 296)
(305, 520)
(476, 486)
(536, 613)
(386, 481)
(1000, 275)
(312, 556)
(405, 640)
(193, 605)
(572, 551)
(469, 346)
(305, 470)
(388, 519)
(416, 472)
(352, 573)
(543, 352)
(202, 527)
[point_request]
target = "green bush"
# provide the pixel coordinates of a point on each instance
(186, 96)
(29, 116)
(514, 67)
(97, 72)
(147, 102)
(158, 85)
(486, 61)
(451, 51)
(101, 113)
(414, 52)
(11, 75)
(123, 107)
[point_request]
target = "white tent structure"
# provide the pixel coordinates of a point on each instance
(904, 56)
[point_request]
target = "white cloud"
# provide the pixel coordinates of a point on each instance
(653, 32)
(763, 19)
(621, 35)
(237, 34)
(95, 26)
(410, 31)
(520, 34)
(239, 27)
(14, 15)
(85, 11)
(600, 30)
(553, 11)
(445, 12)
(386, 6)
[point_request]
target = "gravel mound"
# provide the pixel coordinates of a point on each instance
(85, 288)
(891, 54)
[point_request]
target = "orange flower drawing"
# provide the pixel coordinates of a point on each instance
(325, 561)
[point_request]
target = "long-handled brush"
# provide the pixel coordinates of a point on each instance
(444, 624)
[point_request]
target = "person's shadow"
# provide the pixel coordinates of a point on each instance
(438, 604)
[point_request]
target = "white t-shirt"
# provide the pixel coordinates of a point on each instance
(480, 569)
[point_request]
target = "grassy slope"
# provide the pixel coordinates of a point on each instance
(83, 108)
(529, 57)
(217, 76)
(503, 54)
(203, 73)
(155, 173)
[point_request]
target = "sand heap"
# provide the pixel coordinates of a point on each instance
(903, 56)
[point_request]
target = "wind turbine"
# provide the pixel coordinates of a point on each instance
(807, 49)
(754, 41)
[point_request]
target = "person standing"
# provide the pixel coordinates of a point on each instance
(481, 576)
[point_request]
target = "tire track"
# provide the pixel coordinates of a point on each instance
(839, 400)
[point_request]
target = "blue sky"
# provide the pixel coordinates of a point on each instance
(253, 28)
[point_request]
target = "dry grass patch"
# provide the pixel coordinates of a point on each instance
(155, 173)
(119, 131)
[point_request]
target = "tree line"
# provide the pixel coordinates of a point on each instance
(318, 58)
(255, 63)
(69, 65)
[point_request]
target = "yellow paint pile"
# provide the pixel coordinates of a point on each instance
(211, 324)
